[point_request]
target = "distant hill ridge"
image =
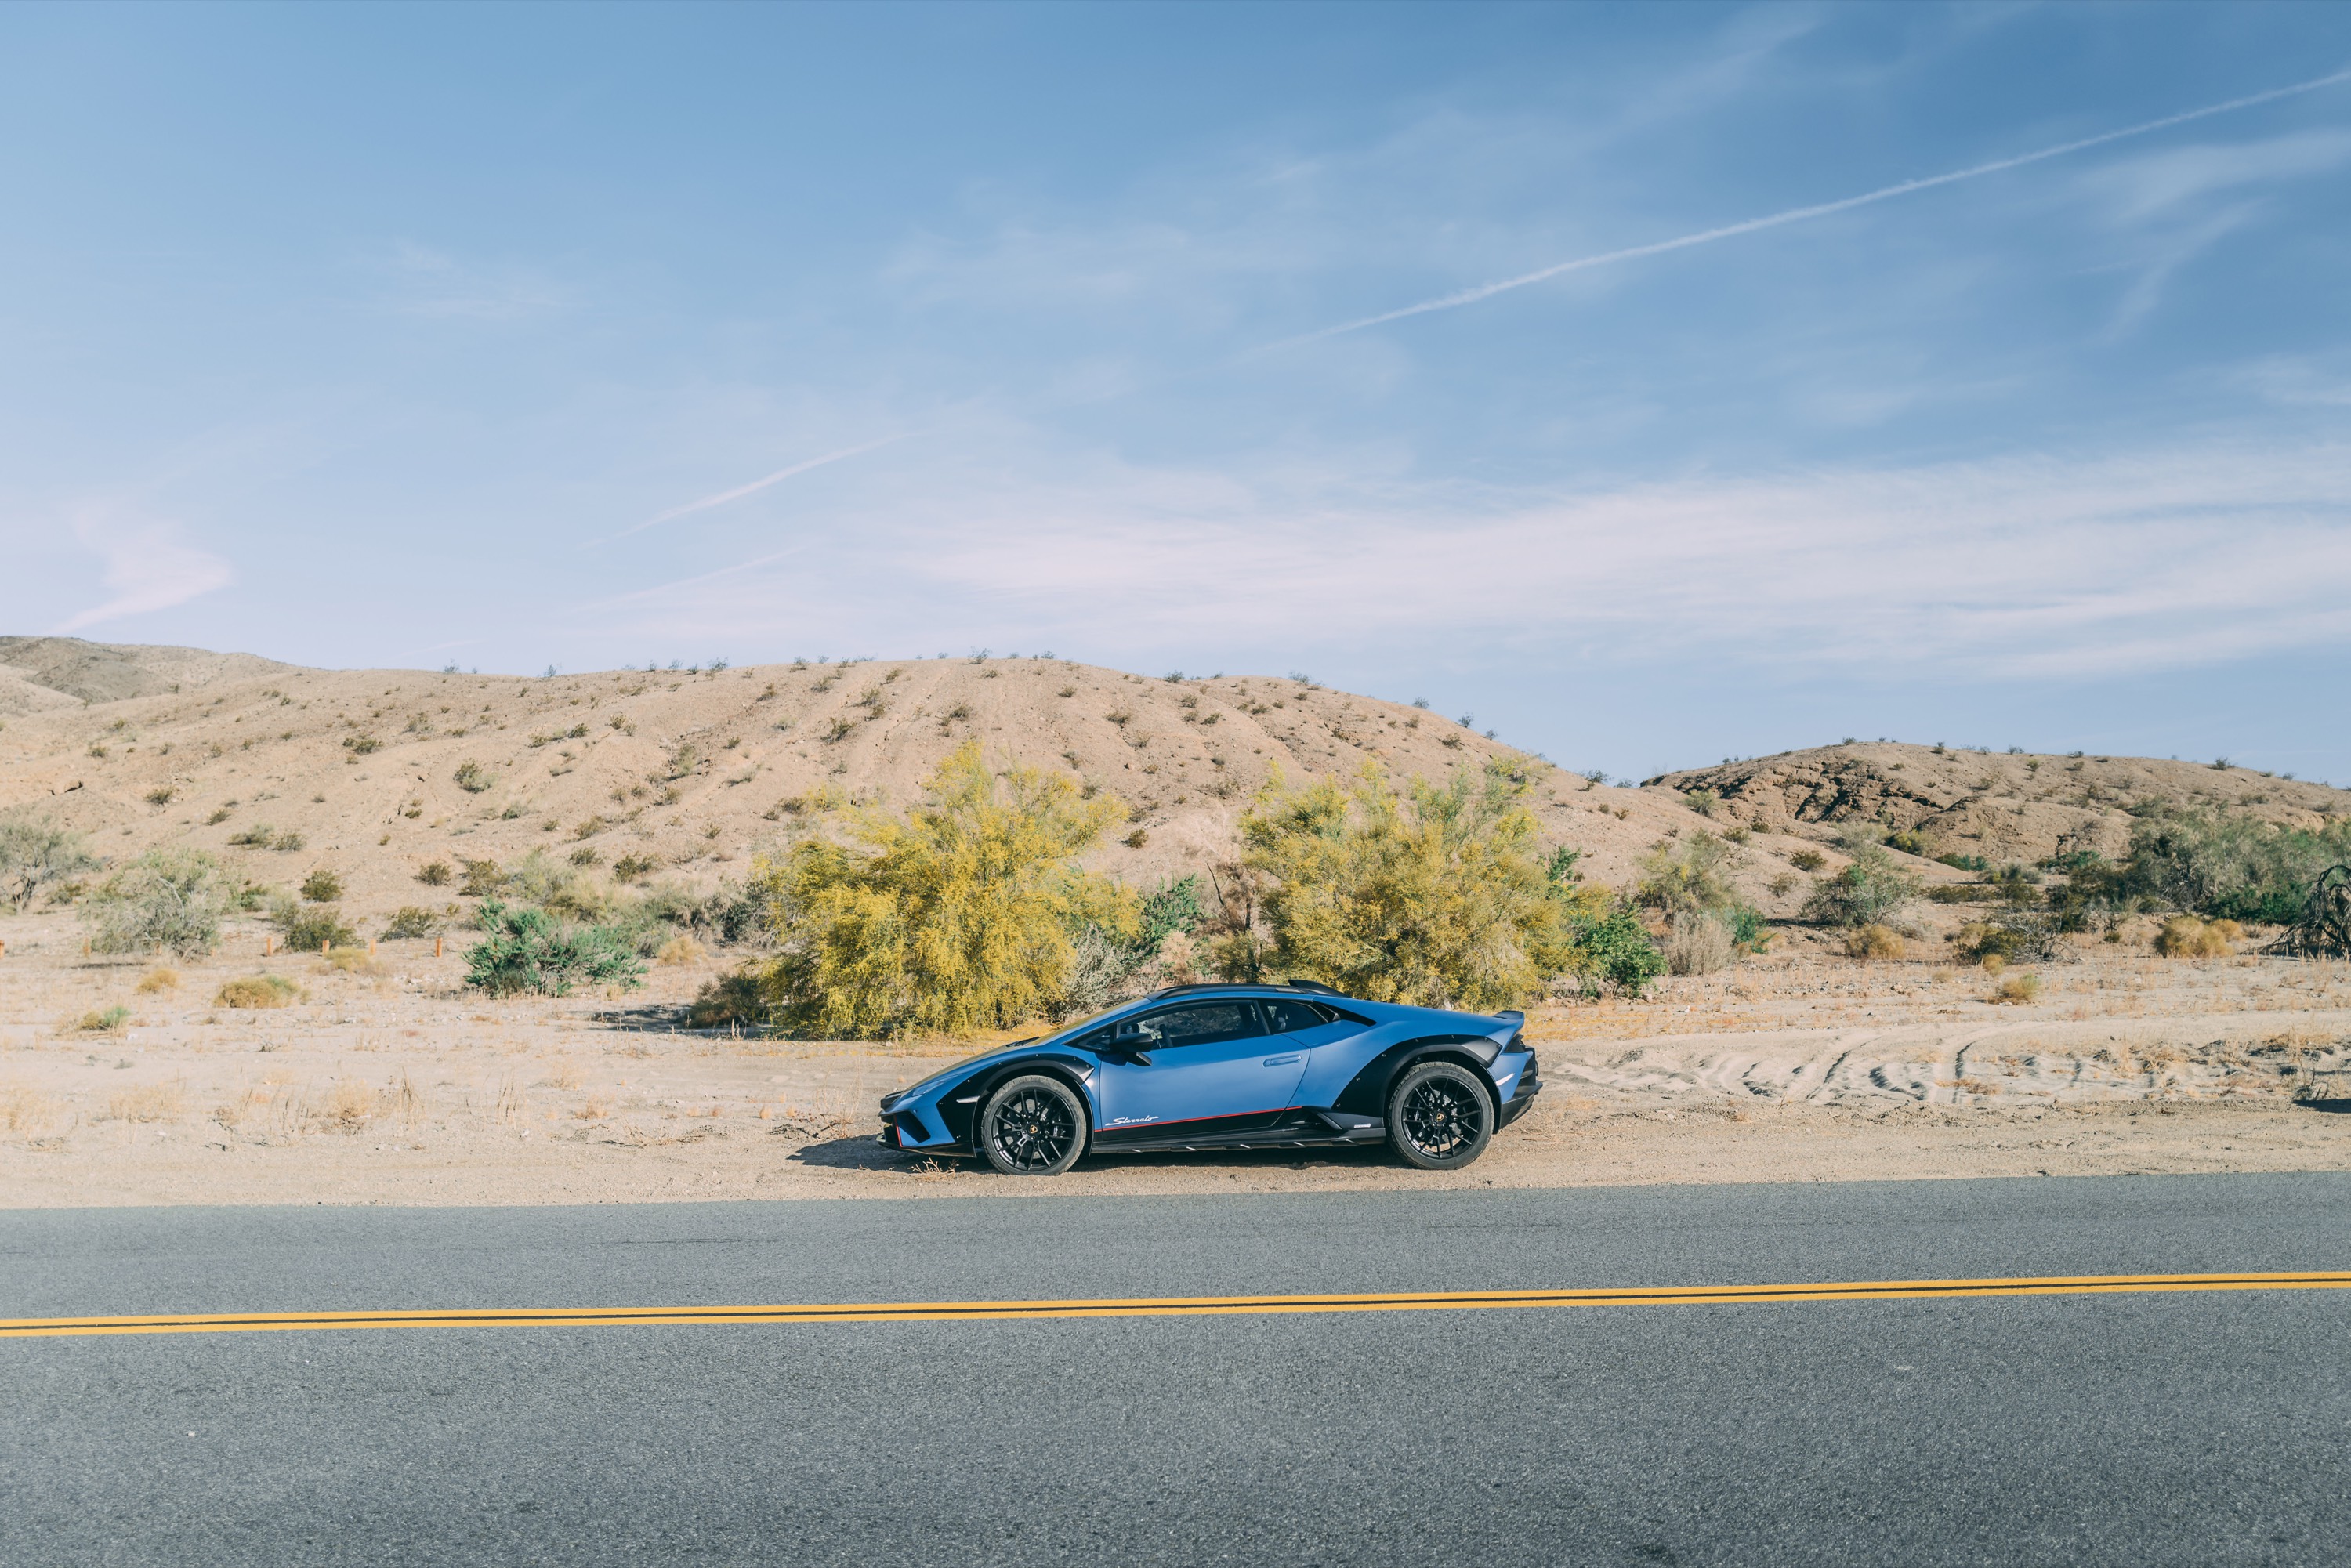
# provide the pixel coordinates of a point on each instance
(378, 774)
(2000, 805)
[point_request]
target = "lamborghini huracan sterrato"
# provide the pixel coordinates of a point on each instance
(1228, 1067)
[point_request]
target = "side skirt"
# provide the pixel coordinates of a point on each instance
(1300, 1129)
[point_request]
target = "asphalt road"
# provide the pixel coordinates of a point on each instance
(2190, 1428)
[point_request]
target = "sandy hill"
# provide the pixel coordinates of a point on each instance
(2003, 806)
(38, 674)
(359, 770)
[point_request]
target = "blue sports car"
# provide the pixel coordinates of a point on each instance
(1228, 1067)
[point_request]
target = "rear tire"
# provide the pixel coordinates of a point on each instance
(1032, 1127)
(1440, 1116)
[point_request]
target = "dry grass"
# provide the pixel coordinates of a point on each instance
(25, 1111)
(680, 949)
(1875, 942)
(103, 1021)
(247, 991)
(161, 978)
(146, 1103)
(350, 961)
(2018, 990)
(2185, 937)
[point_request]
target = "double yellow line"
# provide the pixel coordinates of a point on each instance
(1171, 1306)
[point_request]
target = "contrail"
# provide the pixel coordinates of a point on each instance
(1798, 214)
(741, 491)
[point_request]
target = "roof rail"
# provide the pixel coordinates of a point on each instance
(1314, 985)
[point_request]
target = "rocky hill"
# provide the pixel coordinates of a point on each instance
(2007, 806)
(378, 774)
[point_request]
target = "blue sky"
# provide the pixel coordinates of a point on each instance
(524, 336)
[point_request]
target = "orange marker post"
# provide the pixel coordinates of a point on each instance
(436, 947)
(322, 949)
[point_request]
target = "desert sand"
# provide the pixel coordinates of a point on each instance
(399, 1086)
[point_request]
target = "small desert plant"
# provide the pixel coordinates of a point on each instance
(1807, 860)
(2185, 937)
(483, 878)
(1699, 944)
(161, 979)
(584, 857)
(35, 851)
(104, 1021)
(1874, 942)
(1687, 876)
(529, 950)
(472, 777)
(1864, 892)
(2018, 990)
(287, 842)
(1705, 802)
(161, 795)
(145, 1103)
(351, 960)
(1136, 840)
(433, 874)
(2013, 937)
(311, 928)
(728, 999)
(629, 868)
(409, 921)
(249, 992)
(679, 949)
(322, 886)
(167, 899)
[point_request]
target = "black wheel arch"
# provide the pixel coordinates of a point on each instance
(959, 1106)
(1366, 1094)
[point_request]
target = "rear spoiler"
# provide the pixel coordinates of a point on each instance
(1514, 1015)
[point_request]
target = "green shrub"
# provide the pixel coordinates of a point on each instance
(433, 874)
(1808, 860)
(473, 778)
(37, 852)
(106, 1020)
(1965, 862)
(957, 918)
(1866, 893)
(483, 878)
(1687, 876)
(529, 950)
(322, 886)
(410, 921)
(1436, 896)
(1614, 951)
(308, 928)
(168, 899)
(2230, 865)
(627, 868)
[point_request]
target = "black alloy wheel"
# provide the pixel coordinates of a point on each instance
(1033, 1126)
(1440, 1116)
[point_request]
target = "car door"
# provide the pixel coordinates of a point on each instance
(1331, 1042)
(1196, 1068)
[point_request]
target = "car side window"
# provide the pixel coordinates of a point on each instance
(1201, 1023)
(1285, 1015)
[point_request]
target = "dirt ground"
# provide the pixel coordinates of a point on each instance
(399, 1087)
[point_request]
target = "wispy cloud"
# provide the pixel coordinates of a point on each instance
(434, 284)
(2046, 567)
(150, 566)
(778, 477)
(1472, 295)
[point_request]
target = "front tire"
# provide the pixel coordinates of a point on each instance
(1032, 1127)
(1440, 1116)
